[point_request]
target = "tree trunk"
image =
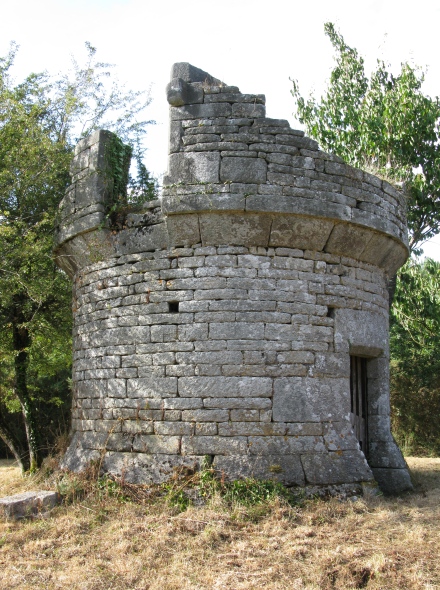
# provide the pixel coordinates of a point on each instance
(22, 341)
(392, 284)
(14, 444)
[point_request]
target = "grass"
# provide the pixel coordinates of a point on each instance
(238, 539)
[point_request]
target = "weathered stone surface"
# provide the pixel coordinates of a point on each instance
(393, 481)
(183, 230)
(363, 333)
(180, 92)
(298, 399)
(225, 387)
(348, 240)
(28, 504)
(190, 73)
(241, 230)
(221, 319)
(300, 232)
(284, 468)
(386, 454)
(336, 467)
(243, 170)
(193, 168)
(201, 111)
(209, 201)
(141, 468)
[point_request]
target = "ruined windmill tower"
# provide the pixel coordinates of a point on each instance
(242, 318)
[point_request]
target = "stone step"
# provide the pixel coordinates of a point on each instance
(28, 504)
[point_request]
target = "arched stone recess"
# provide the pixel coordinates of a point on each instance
(220, 320)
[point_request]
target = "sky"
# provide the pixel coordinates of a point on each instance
(258, 46)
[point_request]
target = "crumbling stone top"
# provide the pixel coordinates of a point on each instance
(240, 178)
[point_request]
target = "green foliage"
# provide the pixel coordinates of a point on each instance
(415, 366)
(250, 492)
(41, 120)
(118, 158)
(384, 124)
(205, 484)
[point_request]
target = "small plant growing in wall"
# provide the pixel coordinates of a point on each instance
(126, 191)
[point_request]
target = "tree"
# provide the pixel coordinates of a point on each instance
(383, 123)
(415, 365)
(41, 119)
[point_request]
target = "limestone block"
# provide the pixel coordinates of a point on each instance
(94, 188)
(225, 387)
(234, 97)
(80, 162)
(139, 427)
(336, 467)
(84, 448)
(386, 454)
(143, 468)
(182, 403)
(236, 331)
(150, 215)
(249, 403)
(241, 230)
(332, 364)
(248, 423)
(379, 427)
(203, 415)
(300, 232)
(393, 481)
(80, 225)
(348, 240)
(361, 332)
(394, 258)
(252, 110)
(119, 441)
(190, 73)
(201, 111)
(210, 201)
(295, 203)
(28, 504)
(377, 249)
(155, 443)
(175, 138)
(174, 428)
(151, 387)
(243, 416)
(180, 93)
(95, 137)
(284, 468)
(243, 170)
(298, 399)
(214, 445)
(338, 436)
(221, 357)
(280, 445)
(142, 239)
(189, 140)
(117, 388)
(191, 167)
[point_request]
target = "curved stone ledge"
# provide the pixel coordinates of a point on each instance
(238, 229)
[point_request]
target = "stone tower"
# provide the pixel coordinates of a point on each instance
(243, 318)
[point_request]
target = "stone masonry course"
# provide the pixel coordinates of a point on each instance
(219, 323)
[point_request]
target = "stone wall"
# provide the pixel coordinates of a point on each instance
(217, 324)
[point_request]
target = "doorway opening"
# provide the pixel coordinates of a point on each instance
(359, 401)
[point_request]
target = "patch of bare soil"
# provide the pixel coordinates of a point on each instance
(103, 543)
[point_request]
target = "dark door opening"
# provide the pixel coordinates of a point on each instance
(359, 401)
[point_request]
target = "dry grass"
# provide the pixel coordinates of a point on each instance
(373, 543)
